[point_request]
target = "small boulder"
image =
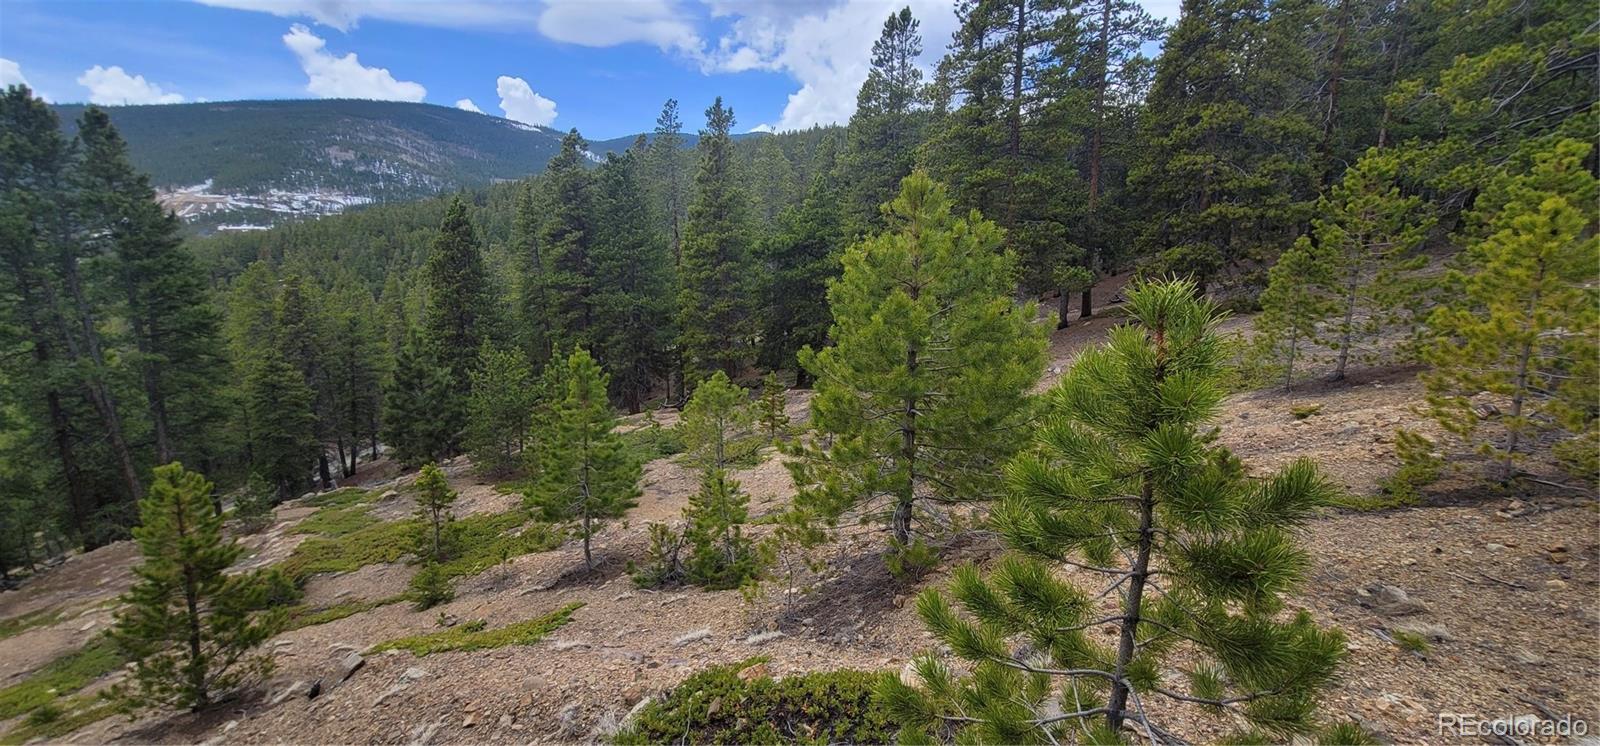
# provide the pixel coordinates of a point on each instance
(762, 638)
(348, 665)
(695, 636)
(294, 687)
(1390, 600)
(413, 673)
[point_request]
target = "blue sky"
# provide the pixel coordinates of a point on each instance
(603, 66)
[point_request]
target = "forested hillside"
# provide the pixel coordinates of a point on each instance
(1294, 195)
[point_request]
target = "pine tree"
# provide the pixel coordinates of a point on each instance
(1293, 305)
(358, 360)
(924, 392)
(566, 241)
(434, 498)
(1116, 73)
(799, 258)
(586, 473)
(668, 175)
(714, 316)
(891, 112)
(632, 301)
(1371, 235)
(718, 423)
(720, 555)
(1523, 324)
(302, 335)
(187, 626)
(33, 162)
(773, 412)
(1228, 174)
(772, 181)
(460, 314)
(163, 297)
(422, 417)
(531, 293)
(1125, 486)
(282, 433)
(499, 410)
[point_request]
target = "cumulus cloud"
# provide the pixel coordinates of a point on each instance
(521, 104)
(467, 105)
(606, 23)
(826, 49)
(347, 14)
(11, 73)
(112, 86)
(345, 77)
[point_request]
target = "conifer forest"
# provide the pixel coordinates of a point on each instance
(1232, 377)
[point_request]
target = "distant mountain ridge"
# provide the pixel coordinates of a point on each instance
(249, 164)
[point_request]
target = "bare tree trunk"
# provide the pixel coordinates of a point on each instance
(99, 394)
(908, 452)
(1132, 602)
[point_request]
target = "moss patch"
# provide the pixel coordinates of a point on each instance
(304, 616)
(19, 624)
(717, 706)
(471, 636)
(60, 677)
(76, 713)
(374, 544)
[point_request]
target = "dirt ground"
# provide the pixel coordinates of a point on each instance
(1506, 588)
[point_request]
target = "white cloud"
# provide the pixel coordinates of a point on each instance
(11, 74)
(467, 105)
(521, 104)
(826, 49)
(762, 128)
(607, 23)
(347, 14)
(345, 77)
(113, 86)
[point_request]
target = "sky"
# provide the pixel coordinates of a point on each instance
(602, 66)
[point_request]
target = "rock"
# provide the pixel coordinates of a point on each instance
(567, 719)
(758, 671)
(621, 596)
(638, 707)
(470, 720)
(343, 647)
(1389, 600)
(1436, 632)
(231, 724)
(1527, 657)
(390, 692)
(714, 708)
(294, 687)
(1493, 547)
(762, 638)
(1555, 584)
(413, 674)
(695, 636)
(567, 644)
(348, 665)
(388, 495)
(424, 733)
(87, 626)
(506, 720)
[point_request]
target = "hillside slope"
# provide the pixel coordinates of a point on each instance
(252, 161)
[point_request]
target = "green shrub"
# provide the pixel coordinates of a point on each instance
(1306, 411)
(335, 522)
(474, 636)
(430, 587)
(78, 712)
(717, 706)
(911, 561)
(62, 676)
(1414, 642)
(22, 623)
(1346, 733)
(651, 441)
(305, 616)
(1420, 465)
(43, 715)
(375, 544)
(663, 561)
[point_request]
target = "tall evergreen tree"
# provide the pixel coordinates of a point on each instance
(632, 298)
(1523, 321)
(925, 389)
(715, 322)
(33, 162)
(772, 181)
(669, 176)
(423, 417)
(799, 258)
(1228, 173)
(1125, 485)
(891, 112)
(358, 360)
(188, 627)
(461, 308)
(302, 335)
(499, 410)
(587, 475)
(282, 435)
(163, 297)
(566, 238)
